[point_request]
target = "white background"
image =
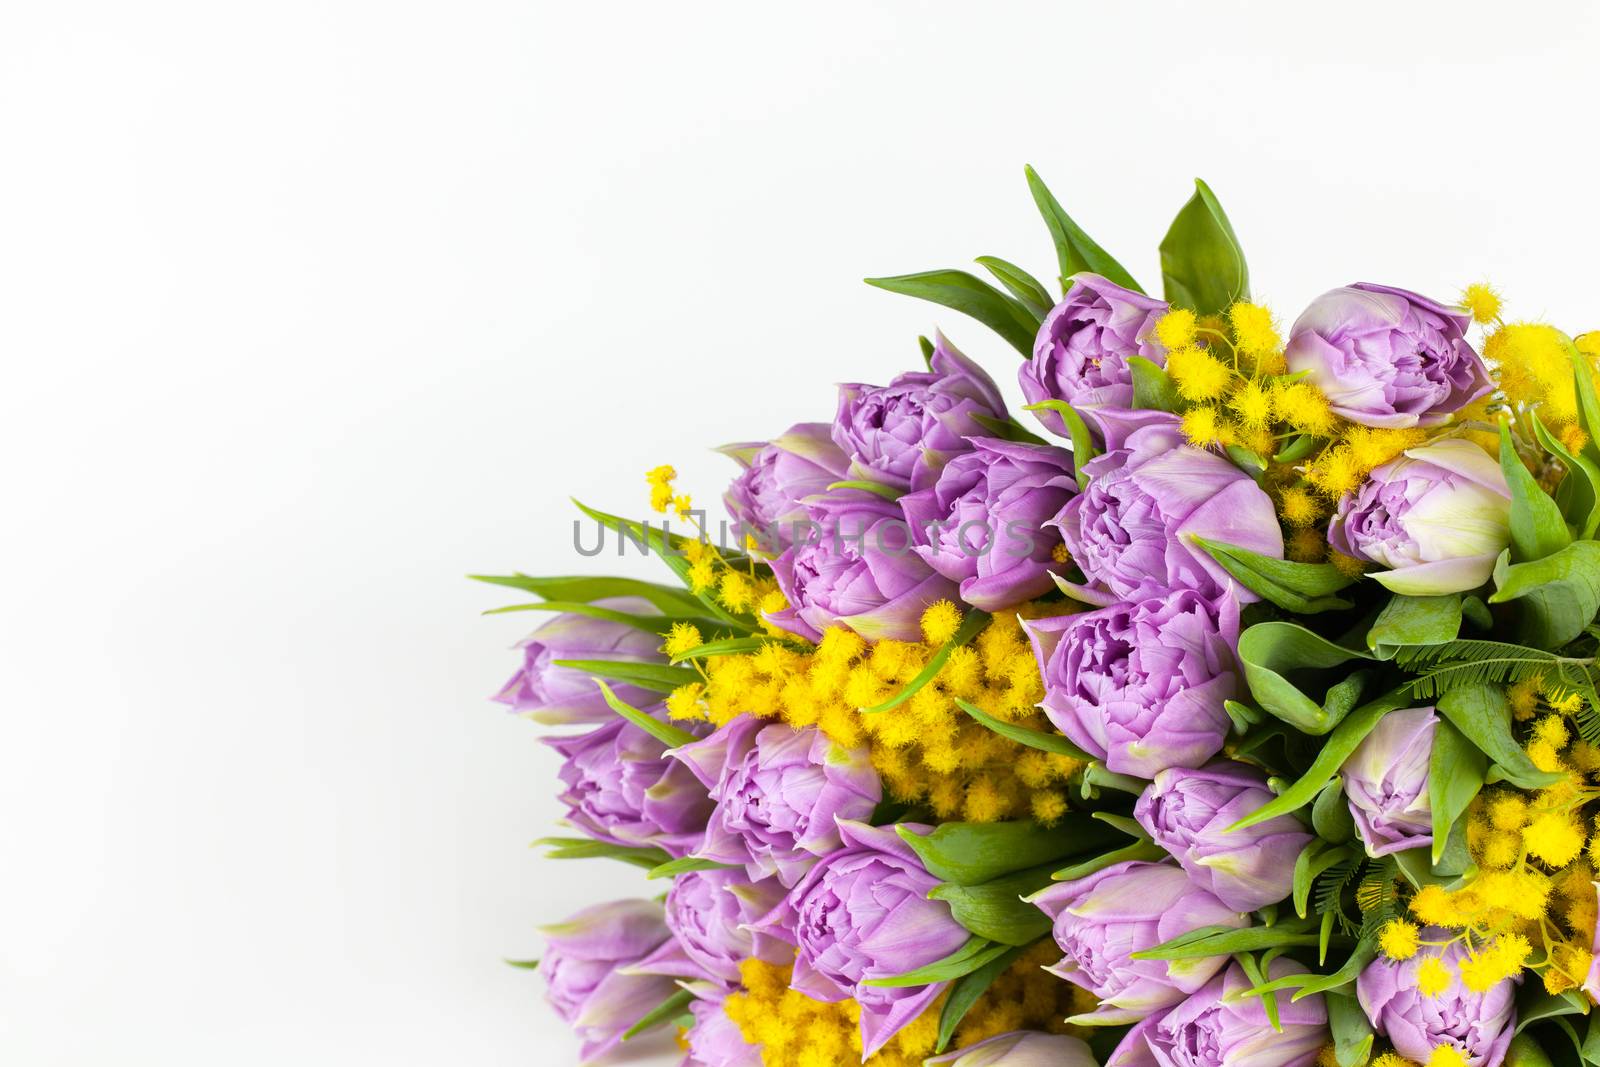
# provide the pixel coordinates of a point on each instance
(308, 308)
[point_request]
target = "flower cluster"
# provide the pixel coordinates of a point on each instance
(1247, 714)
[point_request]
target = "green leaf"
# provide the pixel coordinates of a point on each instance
(1141, 850)
(1455, 774)
(666, 733)
(1153, 388)
(966, 990)
(996, 910)
(1075, 250)
(1022, 735)
(1298, 448)
(1483, 715)
(650, 624)
(1535, 1005)
(675, 603)
(661, 1014)
(1303, 588)
(669, 549)
(1352, 1031)
(673, 868)
(1560, 593)
(1249, 939)
(971, 296)
(1202, 264)
(1365, 952)
(1341, 742)
(887, 492)
(971, 623)
(656, 677)
(1330, 815)
(1524, 1051)
(582, 848)
(733, 646)
(1315, 858)
(1582, 480)
(974, 954)
(526, 965)
(1411, 621)
(1082, 440)
(1588, 403)
(1268, 651)
(1537, 528)
(1007, 429)
(969, 853)
(1020, 284)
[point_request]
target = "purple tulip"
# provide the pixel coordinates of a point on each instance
(1591, 981)
(1188, 812)
(560, 695)
(1082, 351)
(1386, 782)
(861, 913)
(779, 793)
(1217, 1027)
(1141, 686)
(983, 523)
(1131, 531)
(858, 571)
(709, 914)
(1387, 357)
(585, 974)
(766, 500)
(1438, 517)
(1102, 919)
(622, 788)
(715, 1041)
(1021, 1048)
(1478, 1025)
(900, 434)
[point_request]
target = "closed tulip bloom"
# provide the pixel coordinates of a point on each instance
(766, 500)
(709, 914)
(862, 913)
(983, 523)
(1021, 1048)
(1188, 812)
(902, 433)
(1101, 920)
(1477, 1025)
(1437, 517)
(715, 1041)
(559, 695)
(1386, 782)
(1387, 357)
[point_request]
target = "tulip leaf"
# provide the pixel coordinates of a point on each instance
(1330, 815)
(733, 646)
(1023, 735)
(1535, 1005)
(1153, 388)
(668, 547)
(974, 954)
(661, 1014)
(1341, 742)
(1268, 651)
(1411, 621)
(1364, 953)
(1202, 264)
(1588, 404)
(1537, 528)
(1455, 774)
(969, 853)
(582, 848)
(673, 868)
(651, 624)
(1082, 440)
(1559, 594)
(668, 734)
(972, 296)
(526, 965)
(657, 677)
(971, 623)
(887, 492)
(1007, 429)
(1298, 448)
(1140, 851)
(1076, 251)
(1020, 284)
(1229, 941)
(674, 603)
(1483, 715)
(1352, 1030)
(1581, 484)
(996, 910)
(1303, 588)
(1315, 858)
(965, 991)
(1524, 1051)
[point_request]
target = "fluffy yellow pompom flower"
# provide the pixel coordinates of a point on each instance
(1398, 939)
(1304, 408)
(1253, 329)
(1199, 375)
(1306, 545)
(681, 638)
(940, 622)
(1446, 1056)
(1433, 977)
(1298, 507)
(1482, 301)
(1176, 329)
(1554, 839)
(1252, 403)
(1202, 427)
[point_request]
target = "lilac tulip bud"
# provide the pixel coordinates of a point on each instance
(1219, 1027)
(766, 500)
(1387, 357)
(709, 914)
(1021, 1048)
(1101, 920)
(1188, 812)
(1081, 355)
(715, 1041)
(1142, 686)
(902, 433)
(1477, 1025)
(1591, 981)
(861, 913)
(621, 787)
(983, 523)
(1386, 782)
(560, 695)
(1437, 517)
(779, 794)
(858, 570)
(1131, 531)
(585, 974)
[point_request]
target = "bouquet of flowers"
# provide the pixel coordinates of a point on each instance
(1236, 707)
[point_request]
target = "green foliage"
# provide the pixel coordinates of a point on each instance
(1537, 528)
(974, 853)
(1483, 715)
(976, 953)
(1083, 449)
(661, 1014)
(1153, 388)
(1559, 594)
(966, 990)
(1202, 265)
(1415, 621)
(1456, 771)
(1269, 651)
(996, 909)
(1303, 588)
(1076, 251)
(960, 291)
(666, 733)
(1022, 735)
(582, 848)
(1020, 284)
(971, 624)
